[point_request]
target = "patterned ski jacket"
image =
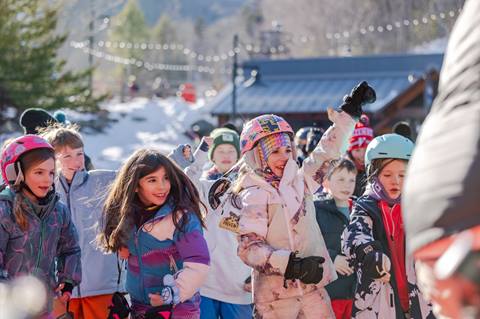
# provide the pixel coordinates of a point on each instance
(157, 249)
(374, 299)
(274, 222)
(51, 236)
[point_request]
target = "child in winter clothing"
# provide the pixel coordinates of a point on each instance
(152, 218)
(223, 294)
(361, 137)
(278, 233)
(277, 220)
(375, 238)
(84, 193)
(333, 213)
(223, 153)
(37, 235)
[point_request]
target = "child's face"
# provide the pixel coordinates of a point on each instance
(358, 155)
(39, 178)
(224, 157)
(278, 159)
(154, 188)
(391, 177)
(70, 161)
(341, 185)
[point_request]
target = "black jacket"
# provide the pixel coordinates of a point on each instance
(360, 231)
(332, 223)
(360, 184)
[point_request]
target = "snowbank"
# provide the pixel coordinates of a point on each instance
(139, 123)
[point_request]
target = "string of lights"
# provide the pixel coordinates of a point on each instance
(249, 48)
(150, 66)
(427, 19)
(405, 23)
(159, 46)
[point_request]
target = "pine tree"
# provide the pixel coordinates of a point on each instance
(129, 27)
(31, 74)
(165, 33)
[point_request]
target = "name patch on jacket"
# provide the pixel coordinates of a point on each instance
(230, 223)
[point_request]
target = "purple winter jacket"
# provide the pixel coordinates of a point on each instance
(51, 236)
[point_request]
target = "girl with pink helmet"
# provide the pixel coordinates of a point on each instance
(37, 236)
(276, 224)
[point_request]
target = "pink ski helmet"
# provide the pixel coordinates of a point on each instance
(12, 152)
(260, 127)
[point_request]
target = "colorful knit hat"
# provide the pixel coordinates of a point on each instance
(270, 143)
(362, 134)
(224, 136)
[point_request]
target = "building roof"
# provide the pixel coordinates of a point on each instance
(312, 85)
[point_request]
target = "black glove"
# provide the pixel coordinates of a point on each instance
(372, 258)
(309, 269)
(360, 95)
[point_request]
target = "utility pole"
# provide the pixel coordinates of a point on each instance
(91, 39)
(234, 76)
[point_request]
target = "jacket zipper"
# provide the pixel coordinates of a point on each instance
(390, 221)
(68, 193)
(37, 263)
(139, 259)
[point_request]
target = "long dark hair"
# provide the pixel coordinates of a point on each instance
(27, 161)
(122, 203)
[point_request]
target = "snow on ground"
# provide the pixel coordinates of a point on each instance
(436, 46)
(140, 123)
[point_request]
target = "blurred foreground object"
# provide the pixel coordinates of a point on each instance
(441, 196)
(22, 298)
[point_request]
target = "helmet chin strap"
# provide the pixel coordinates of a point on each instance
(41, 200)
(21, 184)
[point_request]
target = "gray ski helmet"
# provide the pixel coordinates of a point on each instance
(389, 146)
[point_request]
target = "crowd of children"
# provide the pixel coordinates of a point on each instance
(235, 229)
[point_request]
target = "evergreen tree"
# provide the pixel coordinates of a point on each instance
(165, 33)
(129, 27)
(31, 74)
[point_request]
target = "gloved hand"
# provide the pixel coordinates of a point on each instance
(171, 293)
(360, 95)
(375, 264)
(309, 269)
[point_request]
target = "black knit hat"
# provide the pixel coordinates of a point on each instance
(403, 128)
(33, 118)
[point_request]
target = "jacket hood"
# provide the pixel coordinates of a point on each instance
(78, 178)
(6, 194)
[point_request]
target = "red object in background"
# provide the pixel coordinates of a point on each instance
(187, 92)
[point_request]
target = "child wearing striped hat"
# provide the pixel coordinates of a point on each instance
(277, 230)
(361, 137)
